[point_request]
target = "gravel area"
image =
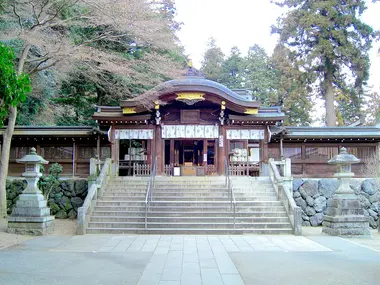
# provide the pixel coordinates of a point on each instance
(61, 228)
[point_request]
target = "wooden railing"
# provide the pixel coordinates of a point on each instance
(96, 190)
(142, 169)
(283, 187)
(231, 195)
(244, 169)
(149, 192)
(207, 170)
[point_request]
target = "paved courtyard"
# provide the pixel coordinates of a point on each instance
(188, 259)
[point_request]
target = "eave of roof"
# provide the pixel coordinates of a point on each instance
(64, 131)
(197, 85)
(331, 132)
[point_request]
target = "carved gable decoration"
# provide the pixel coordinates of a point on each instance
(190, 116)
(190, 98)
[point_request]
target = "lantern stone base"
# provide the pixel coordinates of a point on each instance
(31, 216)
(345, 217)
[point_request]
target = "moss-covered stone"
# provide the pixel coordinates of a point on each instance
(54, 207)
(61, 214)
(63, 203)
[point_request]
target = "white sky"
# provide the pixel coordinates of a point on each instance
(244, 23)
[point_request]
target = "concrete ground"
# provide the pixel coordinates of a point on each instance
(188, 259)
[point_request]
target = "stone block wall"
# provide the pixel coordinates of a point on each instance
(312, 196)
(64, 200)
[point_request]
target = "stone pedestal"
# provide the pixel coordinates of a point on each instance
(31, 216)
(345, 217)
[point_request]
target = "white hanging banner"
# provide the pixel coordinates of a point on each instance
(245, 134)
(190, 131)
(134, 134)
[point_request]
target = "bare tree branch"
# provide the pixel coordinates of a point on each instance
(18, 16)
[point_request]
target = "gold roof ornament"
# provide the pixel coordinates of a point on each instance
(190, 63)
(127, 111)
(251, 111)
(190, 98)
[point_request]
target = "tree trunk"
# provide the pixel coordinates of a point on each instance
(5, 151)
(329, 99)
(7, 139)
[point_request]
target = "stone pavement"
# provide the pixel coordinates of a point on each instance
(189, 259)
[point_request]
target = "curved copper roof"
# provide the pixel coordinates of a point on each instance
(215, 92)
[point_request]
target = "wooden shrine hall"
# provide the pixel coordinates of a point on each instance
(193, 126)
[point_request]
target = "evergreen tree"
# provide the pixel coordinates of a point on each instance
(292, 88)
(329, 42)
(232, 72)
(212, 61)
(260, 76)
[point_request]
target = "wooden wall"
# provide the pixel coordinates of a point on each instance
(310, 159)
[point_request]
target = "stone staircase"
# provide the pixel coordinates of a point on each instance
(189, 205)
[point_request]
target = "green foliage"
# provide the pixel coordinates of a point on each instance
(212, 61)
(13, 87)
(274, 81)
(330, 43)
(232, 73)
(261, 76)
(50, 182)
(292, 88)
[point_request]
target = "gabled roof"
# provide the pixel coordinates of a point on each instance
(214, 92)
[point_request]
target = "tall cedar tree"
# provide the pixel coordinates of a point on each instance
(329, 41)
(292, 88)
(233, 70)
(43, 33)
(260, 76)
(212, 61)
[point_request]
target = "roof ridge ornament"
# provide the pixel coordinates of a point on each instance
(190, 71)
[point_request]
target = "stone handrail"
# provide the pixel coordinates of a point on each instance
(96, 190)
(283, 187)
(230, 191)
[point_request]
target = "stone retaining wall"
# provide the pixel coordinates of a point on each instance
(64, 200)
(312, 196)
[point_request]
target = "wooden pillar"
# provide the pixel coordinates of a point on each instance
(149, 152)
(171, 152)
(303, 156)
(114, 153)
(204, 152)
(159, 150)
(265, 146)
(74, 165)
(222, 150)
(98, 147)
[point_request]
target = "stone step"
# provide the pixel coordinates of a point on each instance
(186, 219)
(183, 231)
(189, 187)
(189, 208)
(186, 198)
(127, 186)
(190, 225)
(187, 203)
(277, 213)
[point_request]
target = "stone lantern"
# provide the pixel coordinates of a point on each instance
(344, 216)
(31, 214)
